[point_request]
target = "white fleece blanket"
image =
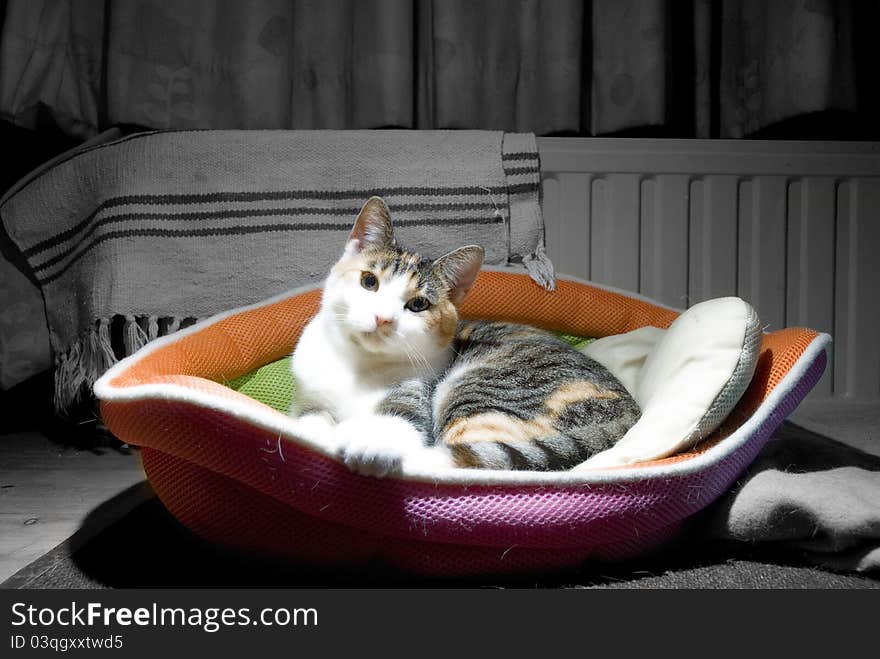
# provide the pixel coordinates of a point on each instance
(808, 493)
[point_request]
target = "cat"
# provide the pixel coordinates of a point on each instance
(389, 373)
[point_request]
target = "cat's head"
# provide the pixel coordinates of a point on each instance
(392, 302)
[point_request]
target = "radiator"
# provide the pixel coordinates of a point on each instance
(791, 227)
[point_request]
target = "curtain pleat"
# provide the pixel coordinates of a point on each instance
(782, 59)
(694, 68)
(503, 65)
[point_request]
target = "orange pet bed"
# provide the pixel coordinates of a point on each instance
(235, 471)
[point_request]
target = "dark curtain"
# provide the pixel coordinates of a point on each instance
(685, 68)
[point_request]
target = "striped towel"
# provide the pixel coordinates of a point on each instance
(129, 239)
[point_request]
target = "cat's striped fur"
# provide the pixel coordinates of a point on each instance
(485, 394)
(516, 397)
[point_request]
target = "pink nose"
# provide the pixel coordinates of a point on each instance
(382, 321)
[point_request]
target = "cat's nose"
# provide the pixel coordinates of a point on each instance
(381, 322)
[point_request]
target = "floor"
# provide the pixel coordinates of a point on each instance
(49, 490)
(855, 423)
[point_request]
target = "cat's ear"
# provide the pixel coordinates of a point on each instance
(460, 269)
(372, 227)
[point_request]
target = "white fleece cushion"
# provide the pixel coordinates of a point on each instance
(625, 354)
(686, 379)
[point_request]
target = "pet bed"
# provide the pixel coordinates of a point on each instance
(233, 469)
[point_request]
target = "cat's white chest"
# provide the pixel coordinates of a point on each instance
(327, 380)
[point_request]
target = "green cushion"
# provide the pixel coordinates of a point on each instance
(273, 383)
(576, 341)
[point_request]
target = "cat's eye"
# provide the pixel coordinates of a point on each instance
(369, 281)
(417, 304)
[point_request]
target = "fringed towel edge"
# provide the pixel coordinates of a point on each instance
(540, 268)
(101, 346)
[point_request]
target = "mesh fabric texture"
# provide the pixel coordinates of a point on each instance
(236, 482)
(272, 384)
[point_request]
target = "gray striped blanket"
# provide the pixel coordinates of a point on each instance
(131, 238)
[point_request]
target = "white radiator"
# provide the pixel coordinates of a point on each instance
(791, 227)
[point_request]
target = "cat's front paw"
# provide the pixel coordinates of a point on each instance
(318, 428)
(376, 445)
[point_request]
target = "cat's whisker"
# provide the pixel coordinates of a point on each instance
(418, 354)
(409, 356)
(407, 350)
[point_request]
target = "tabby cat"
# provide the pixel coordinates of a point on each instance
(389, 374)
